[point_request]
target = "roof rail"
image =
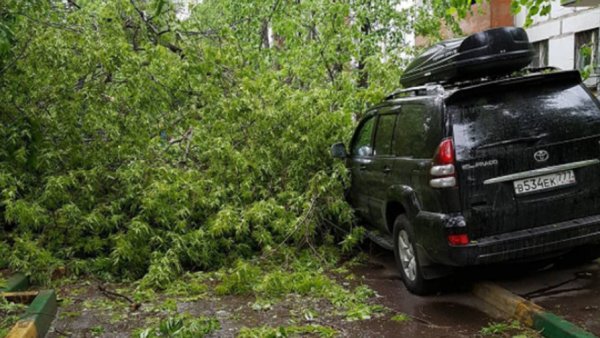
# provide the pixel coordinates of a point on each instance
(427, 89)
(539, 69)
(475, 81)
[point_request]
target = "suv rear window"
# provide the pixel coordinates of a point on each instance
(522, 116)
(383, 136)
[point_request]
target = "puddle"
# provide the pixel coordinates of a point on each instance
(450, 314)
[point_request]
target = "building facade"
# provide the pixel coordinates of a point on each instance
(567, 38)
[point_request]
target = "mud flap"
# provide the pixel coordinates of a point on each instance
(432, 270)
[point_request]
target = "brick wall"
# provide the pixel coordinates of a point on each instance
(500, 14)
(495, 13)
(480, 19)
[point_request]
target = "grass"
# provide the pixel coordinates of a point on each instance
(181, 326)
(311, 292)
(497, 328)
(512, 329)
(97, 330)
(302, 285)
(70, 314)
(287, 331)
(400, 318)
(306, 276)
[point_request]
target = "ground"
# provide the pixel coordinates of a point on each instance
(569, 290)
(91, 308)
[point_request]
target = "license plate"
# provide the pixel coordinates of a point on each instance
(545, 182)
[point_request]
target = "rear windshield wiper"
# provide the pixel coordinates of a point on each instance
(514, 140)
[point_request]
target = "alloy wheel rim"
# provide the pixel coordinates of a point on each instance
(407, 255)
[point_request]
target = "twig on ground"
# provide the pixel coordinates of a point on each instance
(113, 295)
(555, 292)
(546, 290)
(62, 333)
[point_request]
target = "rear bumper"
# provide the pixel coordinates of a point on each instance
(522, 244)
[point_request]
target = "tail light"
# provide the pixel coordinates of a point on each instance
(442, 169)
(458, 239)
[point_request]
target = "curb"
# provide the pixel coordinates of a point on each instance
(22, 297)
(16, 283)
(527, 312)
(38, 317)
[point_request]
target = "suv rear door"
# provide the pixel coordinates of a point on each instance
(381, 174)
(361, 165)
(505, 132)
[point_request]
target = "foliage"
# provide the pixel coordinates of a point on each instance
(533, 8)
(305, 276)
(189, 285)
(137, 143)
(400, 318)
(354, 237)
(457, 9)
(182, 326)
(586, 63)
(9, 314)
(27, 256)
(500, 328)
(287, 331)
(513, 329)
(97, 330)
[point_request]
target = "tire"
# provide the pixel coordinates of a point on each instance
(410, 268)
(589, 253)
(581, 255)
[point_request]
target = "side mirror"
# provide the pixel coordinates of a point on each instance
(338, 150)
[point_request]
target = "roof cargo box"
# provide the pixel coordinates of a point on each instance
(492, 52)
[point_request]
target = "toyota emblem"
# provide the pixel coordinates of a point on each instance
(541, 156)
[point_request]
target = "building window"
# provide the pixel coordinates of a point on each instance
(540, 59)
(586, 51)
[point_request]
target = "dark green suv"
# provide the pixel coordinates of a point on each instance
(478, 172)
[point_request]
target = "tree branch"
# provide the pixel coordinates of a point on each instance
(72, 3)
(16, 58)
(155, 31)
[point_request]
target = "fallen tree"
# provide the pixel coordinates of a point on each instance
(139, 143)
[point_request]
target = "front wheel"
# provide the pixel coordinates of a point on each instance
(407, 260)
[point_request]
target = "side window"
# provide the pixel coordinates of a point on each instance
(362, 142)
(383, 136)
(412, 128)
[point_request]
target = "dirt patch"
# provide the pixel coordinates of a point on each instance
(87, 311)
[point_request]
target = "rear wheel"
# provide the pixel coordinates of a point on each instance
(407, 260)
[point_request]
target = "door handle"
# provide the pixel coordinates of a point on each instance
(387, 170)
(362, 167)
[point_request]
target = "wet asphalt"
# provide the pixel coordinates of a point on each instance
(561, 285)
(453, 313)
